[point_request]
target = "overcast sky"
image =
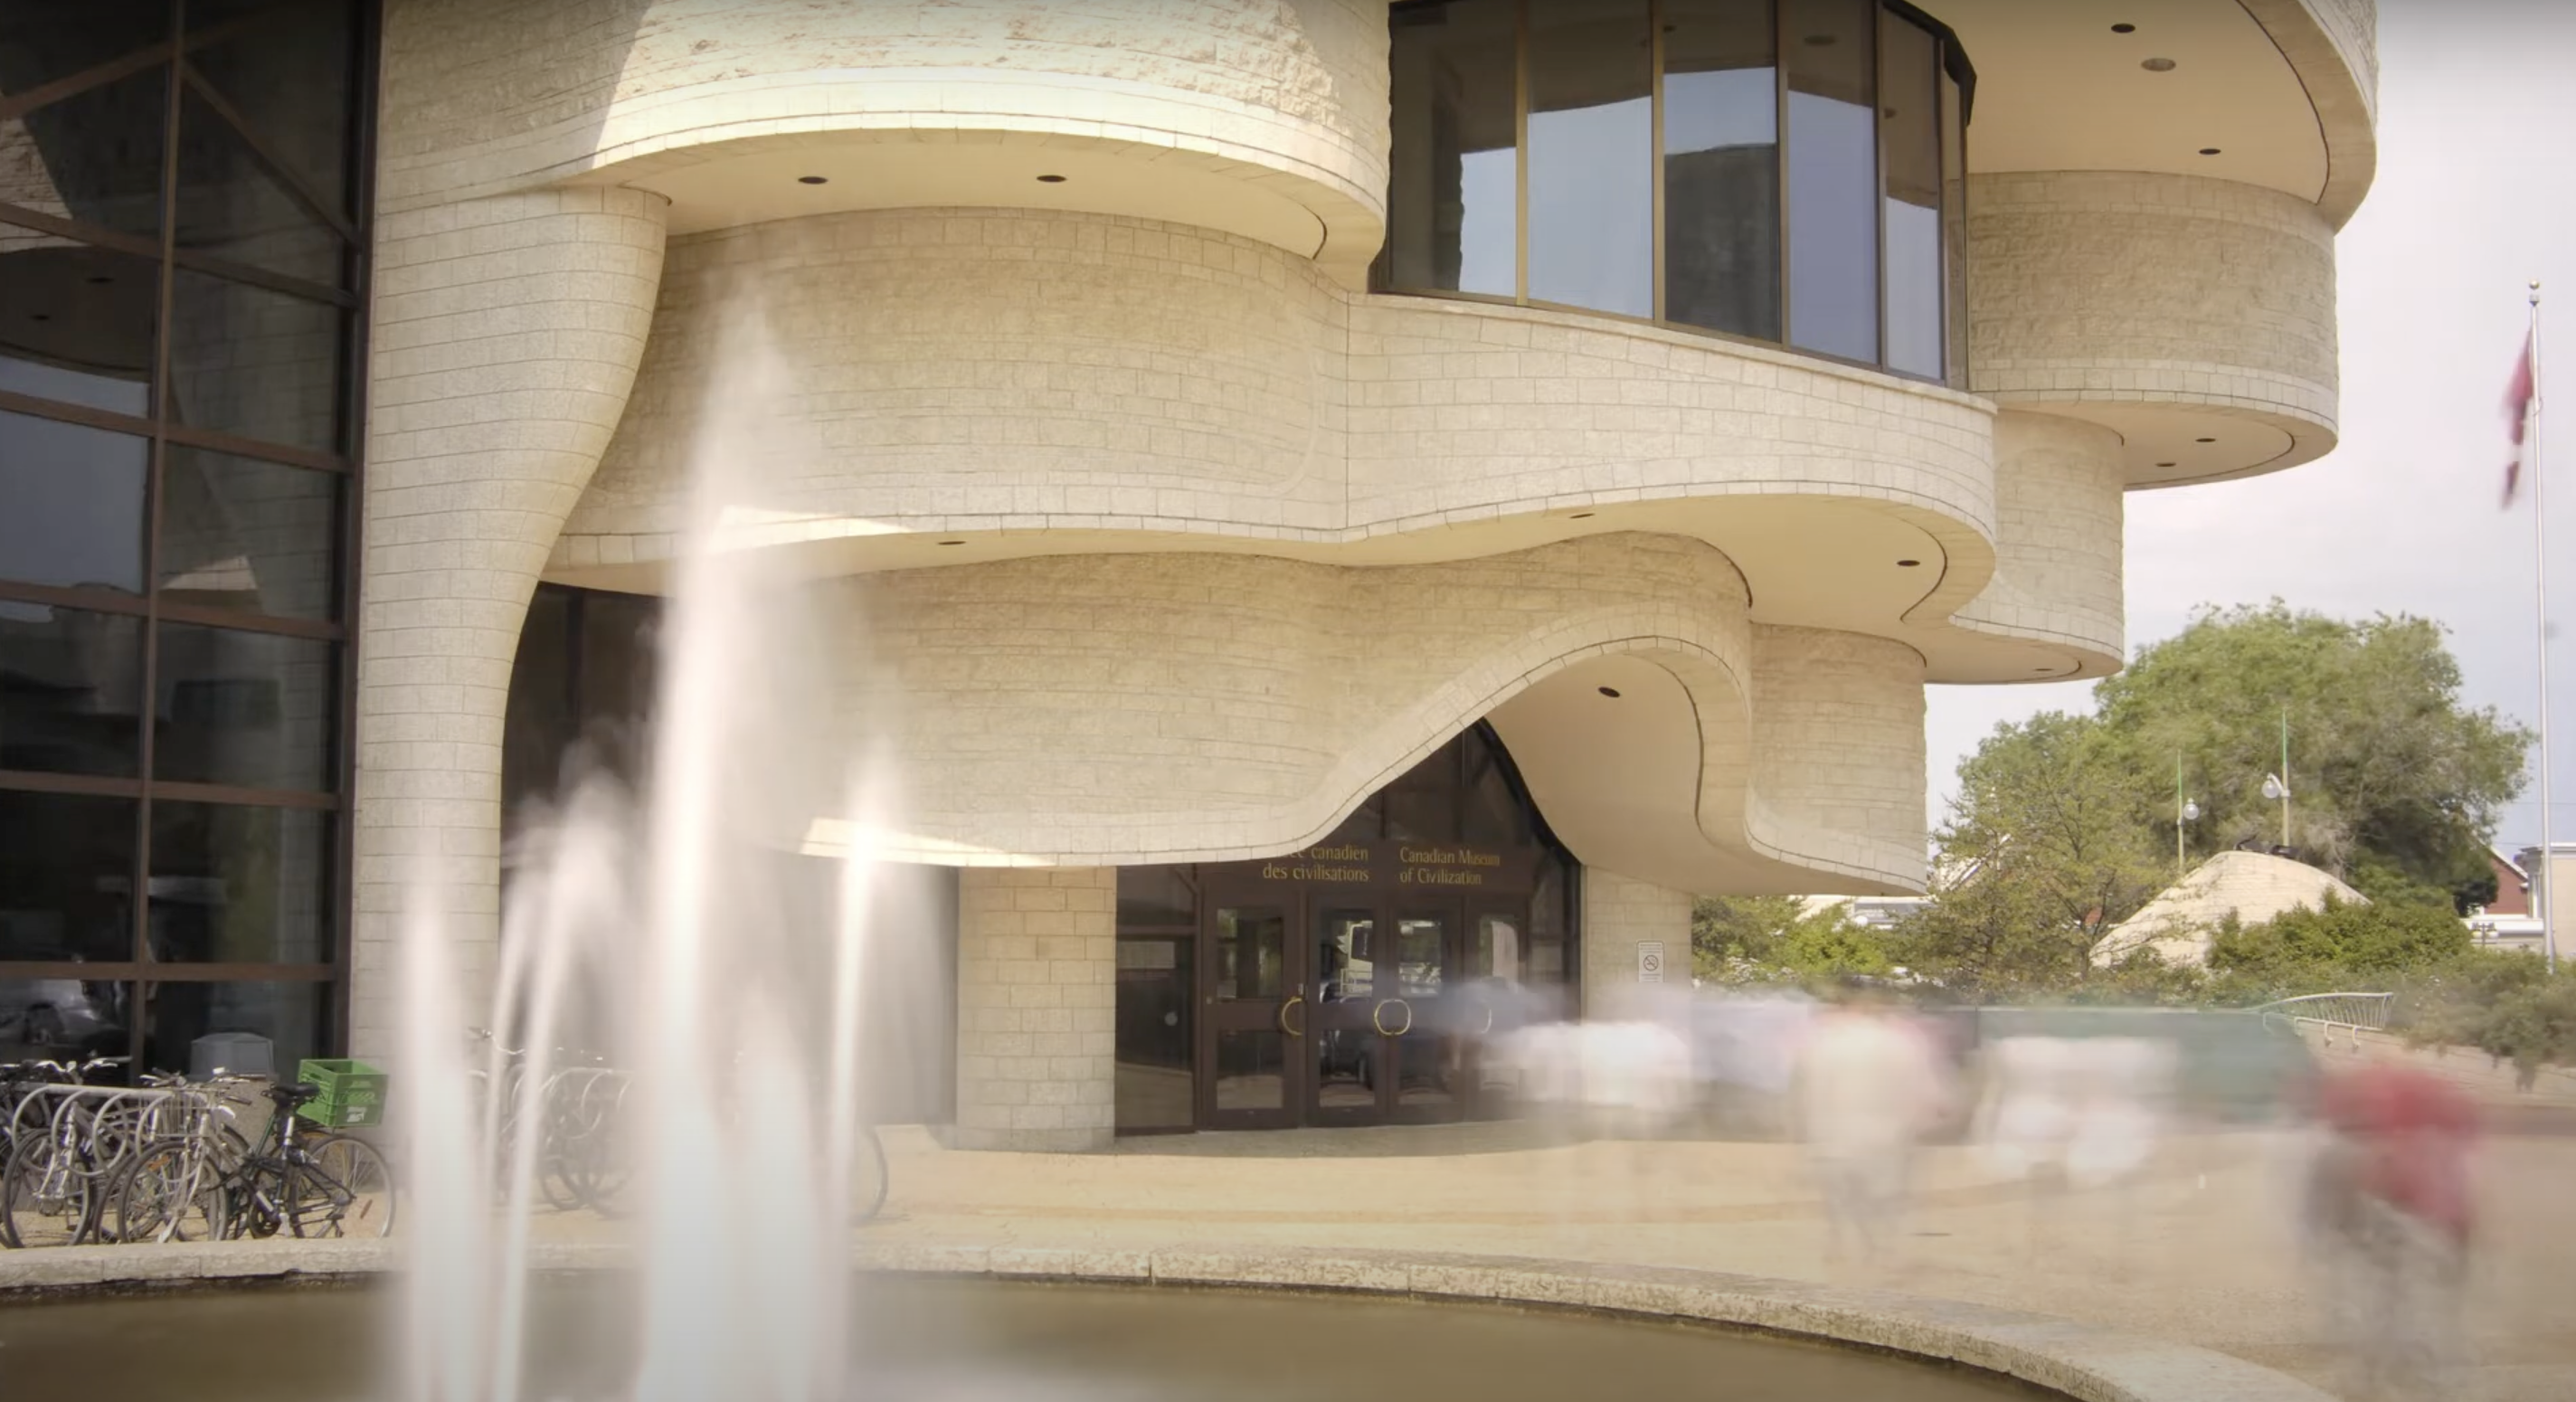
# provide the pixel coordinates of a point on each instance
(2475, 196)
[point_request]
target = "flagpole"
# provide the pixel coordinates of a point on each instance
(2547, 884)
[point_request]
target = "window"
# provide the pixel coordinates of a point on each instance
(180, 308)
(1781, 170)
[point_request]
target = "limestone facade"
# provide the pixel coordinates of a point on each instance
(1173, 541)
(506, 333)
(1620, 914)
(1036, 991)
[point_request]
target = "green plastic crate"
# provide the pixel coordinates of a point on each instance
(353, 1093)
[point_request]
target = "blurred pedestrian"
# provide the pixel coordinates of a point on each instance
(1870, 1083)
(2390, 1217)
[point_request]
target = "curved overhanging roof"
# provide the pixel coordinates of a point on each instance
(2265, 84)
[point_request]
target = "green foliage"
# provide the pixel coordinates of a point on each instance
(2371, 943)
(2388, 769)
(2503, 1002)
(1773, 939)
(2039, 856)
(2065, 824)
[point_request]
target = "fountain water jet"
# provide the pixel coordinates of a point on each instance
(737, 1014)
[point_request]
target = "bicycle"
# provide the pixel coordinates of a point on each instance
(304, 1184)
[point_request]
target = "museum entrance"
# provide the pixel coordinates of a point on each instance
(1359, 981)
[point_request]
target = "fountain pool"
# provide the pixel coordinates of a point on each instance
(950, 1340)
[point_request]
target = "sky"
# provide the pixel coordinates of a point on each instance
(2474, 198)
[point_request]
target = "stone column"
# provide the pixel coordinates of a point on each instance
(505, 338)
(1618, 915)
(1037, 1002)
(2059, 498)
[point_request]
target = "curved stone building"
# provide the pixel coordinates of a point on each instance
(1360, 510)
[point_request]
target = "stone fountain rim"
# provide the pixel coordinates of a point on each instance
(2077, 1360)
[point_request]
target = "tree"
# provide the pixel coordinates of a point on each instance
(1776, 939)
(2345, 942)
(2394, 783)
(2041, 853)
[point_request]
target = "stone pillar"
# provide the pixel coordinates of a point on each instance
(2059, 496)
(1037, 1001)
(505, 338)
(1618, 915)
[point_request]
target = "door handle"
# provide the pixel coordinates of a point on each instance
(1293, 1000)
(1377, 1017)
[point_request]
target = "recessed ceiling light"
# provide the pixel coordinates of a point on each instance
(2124, 29)
(2164, 464)
(1907, 564)
(1610, 691)
(2209, 150)
(2157, 65)
(1050, 179)
(809, 180)
(952, 542)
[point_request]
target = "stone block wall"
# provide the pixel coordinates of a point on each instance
(505, 335)
(977, 370)
(2060, 508)
(1618, 915)
(2120, 287)
(1036, 1008)
(1290, 96)
(1838, 742)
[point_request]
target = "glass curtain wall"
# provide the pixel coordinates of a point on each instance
(182, 279)
(1780, 170)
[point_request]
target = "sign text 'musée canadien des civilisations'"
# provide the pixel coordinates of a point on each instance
(1417, 864)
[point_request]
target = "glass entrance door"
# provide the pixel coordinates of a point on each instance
(1250, 1005)
(1425, 1043)
(1381, 1041)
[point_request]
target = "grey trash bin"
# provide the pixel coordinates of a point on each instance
(231, 1054)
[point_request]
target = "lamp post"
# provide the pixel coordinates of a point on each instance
(2278, 785)
(2185, 811)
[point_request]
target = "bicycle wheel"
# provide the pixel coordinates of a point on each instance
(340, 1186)
(45, 1195)
(169, 1192)
(868, 1190)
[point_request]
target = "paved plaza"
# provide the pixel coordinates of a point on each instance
(2203, 1250)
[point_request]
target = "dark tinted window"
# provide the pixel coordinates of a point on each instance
(71, 504)
(71, 690)
(233, 883)
(245, 534)
(1591, 155)
(1833, 177)
(256, 710)
(1721, 167)
(257, 363)
(1454, 191)
(1910, 147)
(76, 323)
(239, 1025)
(66, 866)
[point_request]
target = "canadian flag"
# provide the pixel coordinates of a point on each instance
(2517, 412)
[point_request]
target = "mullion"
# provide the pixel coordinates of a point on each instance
(207, 263)
(285, 176)
(181, 790)
(147, 713)
(140, 606)
(126, 65)
(155, 971)
(212, 440)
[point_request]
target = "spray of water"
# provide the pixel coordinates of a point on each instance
(666, 928)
